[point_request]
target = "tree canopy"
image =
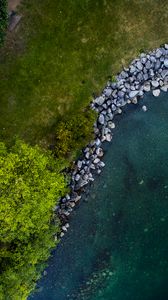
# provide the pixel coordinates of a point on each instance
(31, 182)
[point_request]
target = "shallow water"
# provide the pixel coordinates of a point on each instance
(116, 248)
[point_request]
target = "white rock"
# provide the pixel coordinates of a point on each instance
(156, 93)
(144, 108)
(62, 234)
(158, 53)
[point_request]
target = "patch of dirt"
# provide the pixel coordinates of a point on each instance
(12, 4)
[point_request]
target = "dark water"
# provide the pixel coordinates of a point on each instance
(116, 248)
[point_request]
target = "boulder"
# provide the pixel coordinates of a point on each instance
(77, 177)
(155, 83)
(96, 160)
(147, 87)
(158, 53)
(166, 62)
(164, 88)
(139, 66)
(156, 92)
(101, 119)
(133, 94)
(99, 100)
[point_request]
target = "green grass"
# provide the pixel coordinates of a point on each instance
(63, 51)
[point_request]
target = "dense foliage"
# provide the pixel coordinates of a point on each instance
(74, 133)
(30, 184)
(3, 19)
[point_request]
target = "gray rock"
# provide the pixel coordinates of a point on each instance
(156, 92)
(108, 137)
(148, 65)
(107, 92)
(79, 164)
(132, 69)
(133, 94)
(164, 88)
(164, 73)
(139, 66)
(96, 161)
(166, 46)
(146, 76)
(157, 65)
(147, 87)
(101, 119)
(166, 62)
(77, 177)
(99, 152)
(155, 83)
(158, 53)
(99, 100)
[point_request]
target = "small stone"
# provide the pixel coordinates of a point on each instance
(64, 228)
(62, 234)
(156, 93)
(134, 100)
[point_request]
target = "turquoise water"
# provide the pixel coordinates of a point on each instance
(116, 248)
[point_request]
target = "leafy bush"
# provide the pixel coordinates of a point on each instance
(30, 184)
(74, 133)
(3, 19)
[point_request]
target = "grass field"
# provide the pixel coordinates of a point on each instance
(63, 52)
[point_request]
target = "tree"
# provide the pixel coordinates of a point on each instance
(30, 184)
(3, 19)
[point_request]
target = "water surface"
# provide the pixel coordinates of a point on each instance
(116, 248)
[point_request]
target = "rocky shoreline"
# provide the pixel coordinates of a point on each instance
(147, 73)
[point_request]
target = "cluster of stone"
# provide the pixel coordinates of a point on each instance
(147, 73)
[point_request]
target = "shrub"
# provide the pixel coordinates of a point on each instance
(74, 133)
